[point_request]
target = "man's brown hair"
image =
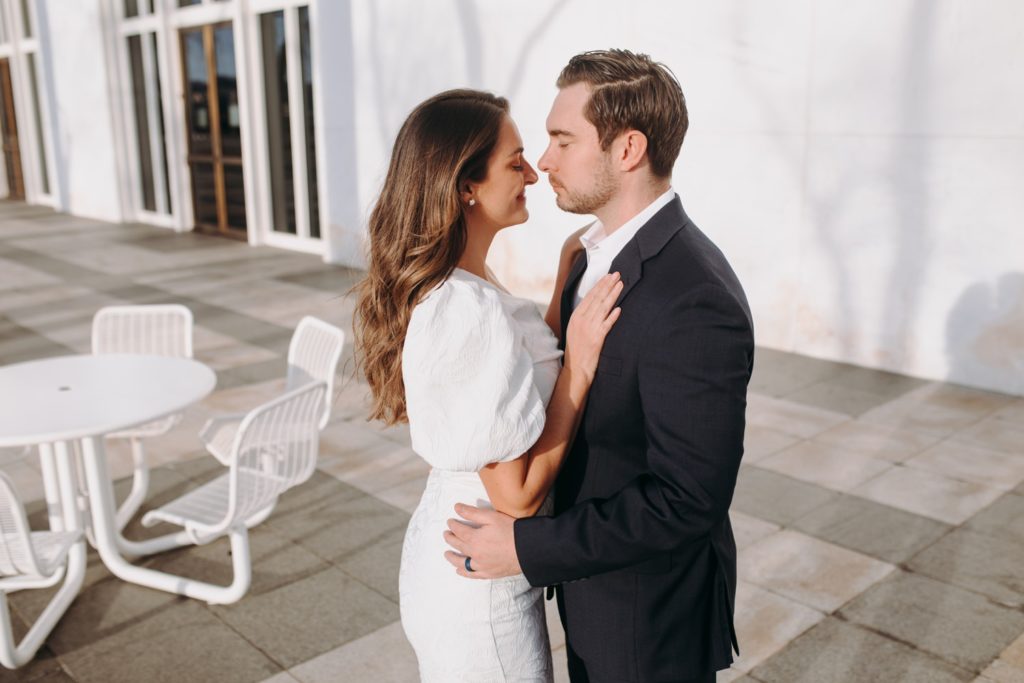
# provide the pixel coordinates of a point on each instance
(632, 91)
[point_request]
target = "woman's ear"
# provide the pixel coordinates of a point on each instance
(467, 195)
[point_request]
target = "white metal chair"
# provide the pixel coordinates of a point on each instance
(31, 559)
(274, 449)
(313, 356)
(159, 330)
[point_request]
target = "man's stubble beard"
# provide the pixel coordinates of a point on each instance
(605, 187)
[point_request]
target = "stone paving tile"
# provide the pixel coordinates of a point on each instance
(307, 618)
(791, 418)
(1014, 654)
(766, 622)
(364, 660)
(928, 493)
(154, 649)
(969, 463)
(979, 562)
(43, 665)
(960, 626)
(1001, 672)
(1002, 519)
(339, 530)
(377, 565)
(887, 443)
(812, 572)
(404, 496)
(825, 465)
(749, 530)
(775, 497)
(996, 432)
(837, 398)
(838, 652)
(275, 562)
(760, 442)
(870, 528)
(777, 373)
(880, 382)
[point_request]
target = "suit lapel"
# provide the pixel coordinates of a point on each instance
(648, 241)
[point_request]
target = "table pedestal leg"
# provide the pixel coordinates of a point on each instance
(51, 487)
(104, 521)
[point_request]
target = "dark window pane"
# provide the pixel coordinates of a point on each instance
(160, 121)
(204, 194)
(151, 10)
(41, 134)
(307, 96)
(186, 3)
(199, 107)
(227, 89)
(234, 191)
(279, 143)
(131, 8)
(141, 122)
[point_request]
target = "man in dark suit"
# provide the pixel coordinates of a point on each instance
(640, 549)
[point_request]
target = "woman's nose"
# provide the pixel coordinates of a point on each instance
(529, 174)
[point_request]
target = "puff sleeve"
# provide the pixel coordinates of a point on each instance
(469, 385)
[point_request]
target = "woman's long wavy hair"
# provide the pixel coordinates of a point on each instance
(417, 231)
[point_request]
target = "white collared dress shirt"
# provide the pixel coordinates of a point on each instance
(602, 248)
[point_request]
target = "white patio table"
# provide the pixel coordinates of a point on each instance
(55, 402)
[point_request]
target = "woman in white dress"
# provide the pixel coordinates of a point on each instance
(475, 371)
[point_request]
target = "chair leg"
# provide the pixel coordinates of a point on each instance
(140, 485)
(14, 655)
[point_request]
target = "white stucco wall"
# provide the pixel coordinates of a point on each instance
(78, 93)
(861, 164)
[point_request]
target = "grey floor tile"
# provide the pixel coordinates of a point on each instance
(377, 565)
(871, 528)
(978, 562)
(776, 497)
(43, 665)
(830, 396)
(838, 652)
(777, 373)
(960, 626)
(275, 562)
(310, 617)
(339, 531)
(251, 373)
(333, 279)
(879, 382)
(1002, 519)
(183, 641)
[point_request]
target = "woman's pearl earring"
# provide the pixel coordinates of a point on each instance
(472, 202)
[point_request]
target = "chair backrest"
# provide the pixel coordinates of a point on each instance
(17, 558)
(157, 329)
(313, 356)
(275, 449)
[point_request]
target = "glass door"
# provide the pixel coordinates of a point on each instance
(213, 129)
(9, 135)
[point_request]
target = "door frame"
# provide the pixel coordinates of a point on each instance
(216, 157)
(15, 181)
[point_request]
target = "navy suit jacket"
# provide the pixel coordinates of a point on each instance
(640, 543)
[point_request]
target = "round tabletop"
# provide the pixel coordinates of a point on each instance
(72, 397)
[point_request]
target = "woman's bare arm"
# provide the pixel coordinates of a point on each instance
(519, 487)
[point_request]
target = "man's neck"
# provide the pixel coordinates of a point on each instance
(627, 203)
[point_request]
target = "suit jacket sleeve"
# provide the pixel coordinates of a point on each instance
(693, 372)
